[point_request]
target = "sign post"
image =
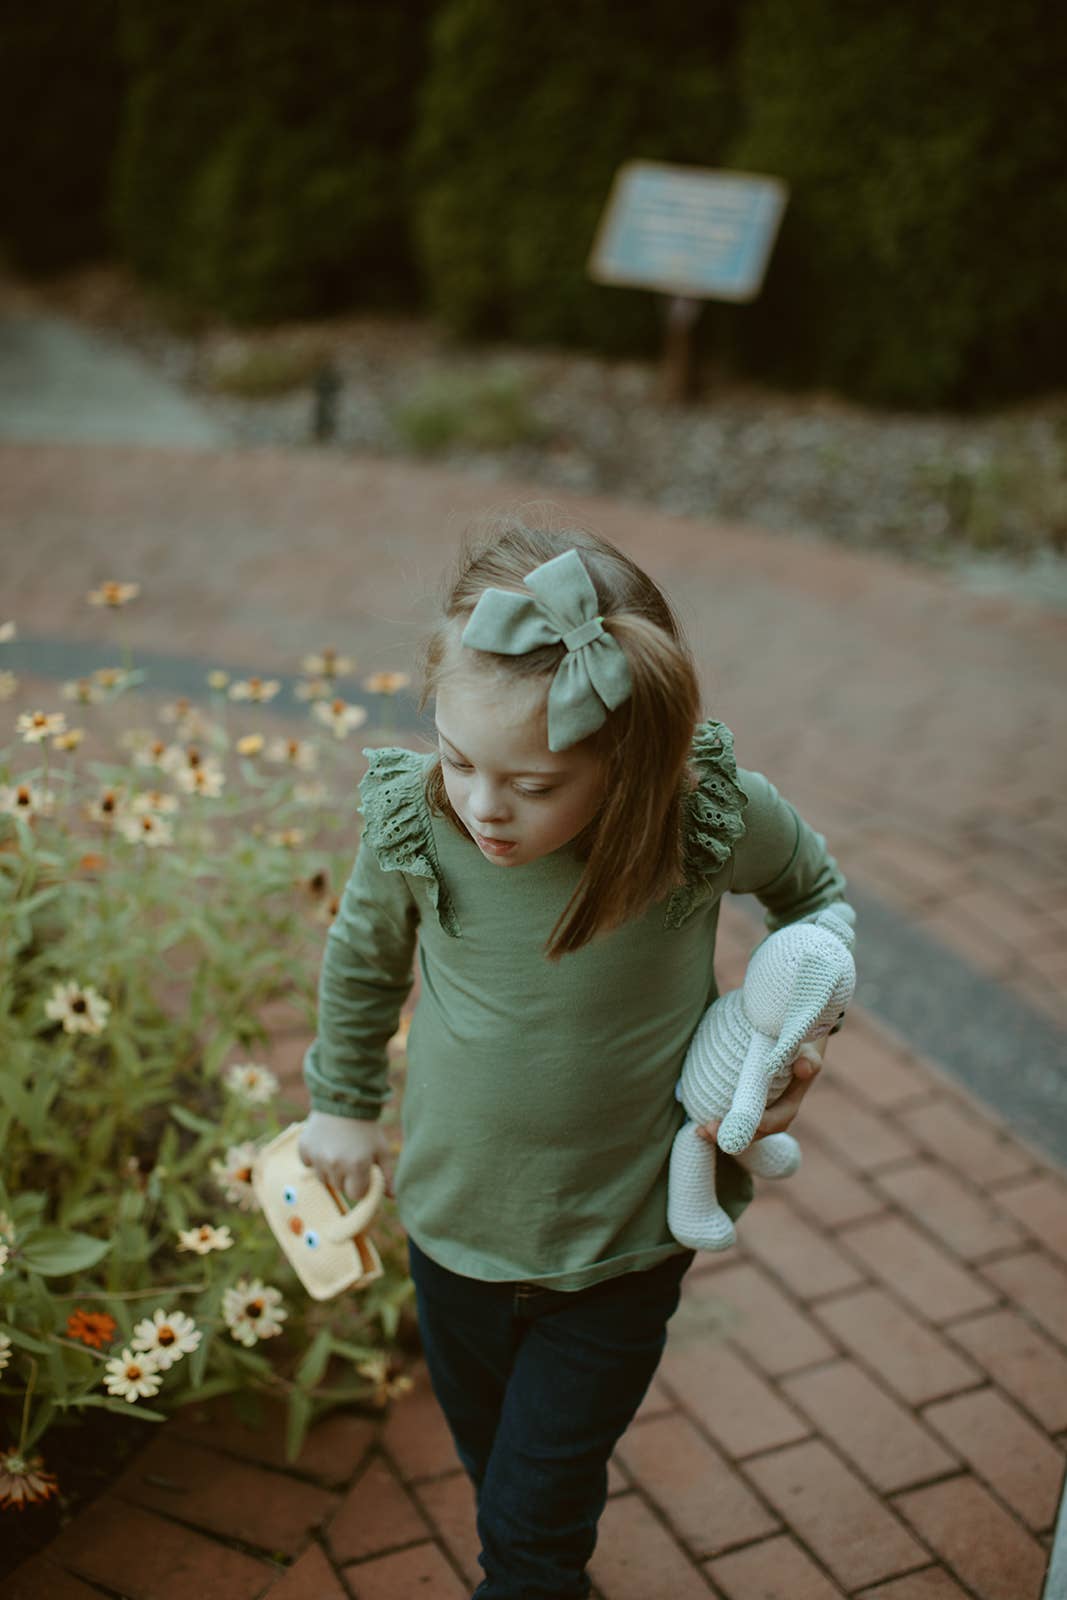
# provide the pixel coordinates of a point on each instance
(693, 233)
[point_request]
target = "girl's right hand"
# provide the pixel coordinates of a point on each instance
(342, 1150)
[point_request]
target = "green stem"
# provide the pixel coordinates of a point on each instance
(135, 1294)
(26, 1406)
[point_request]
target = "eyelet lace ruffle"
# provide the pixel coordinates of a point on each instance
(713, 819)
(396, 823)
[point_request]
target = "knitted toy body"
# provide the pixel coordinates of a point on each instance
(797, 987)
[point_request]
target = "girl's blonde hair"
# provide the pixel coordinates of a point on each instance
(633, 847)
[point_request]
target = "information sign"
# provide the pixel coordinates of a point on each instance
(688, 231)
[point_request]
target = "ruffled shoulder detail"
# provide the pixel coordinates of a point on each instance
(713, 819)
(396, 823)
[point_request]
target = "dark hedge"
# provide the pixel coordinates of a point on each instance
(262, 154)
(61, 88)
(922, 257)
(527, 110)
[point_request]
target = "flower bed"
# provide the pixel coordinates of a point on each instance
(163, 891)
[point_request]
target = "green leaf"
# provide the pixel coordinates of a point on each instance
(54, 1251)
(314, 1363)
(189, 1119)
(25, 1340)
(297, 1423)
(125, 1408)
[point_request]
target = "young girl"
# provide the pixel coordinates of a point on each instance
(561, 859)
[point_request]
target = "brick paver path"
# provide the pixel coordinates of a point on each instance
(867, 1398)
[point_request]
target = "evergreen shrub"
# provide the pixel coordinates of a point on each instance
(921, 258)
(261, 168)
(61, 87)
(526, 112)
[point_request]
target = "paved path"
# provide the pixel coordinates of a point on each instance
(870, 1396)
(58, 381)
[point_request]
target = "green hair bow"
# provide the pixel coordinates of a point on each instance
(594, 675)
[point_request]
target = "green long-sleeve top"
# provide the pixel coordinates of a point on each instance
(539, 1105)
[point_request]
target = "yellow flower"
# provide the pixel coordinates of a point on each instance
(218, 679)
(36, 726)
(258, 689)
(339, 716)
(114, 594)
(386, 682)
(251, 744)
(69, 740)
(8, 684)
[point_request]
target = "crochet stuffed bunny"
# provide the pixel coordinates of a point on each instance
(798, 984)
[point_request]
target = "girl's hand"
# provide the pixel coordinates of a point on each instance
(777, 1118)
(342, 1150)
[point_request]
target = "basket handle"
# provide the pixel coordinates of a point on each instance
(354, 1221)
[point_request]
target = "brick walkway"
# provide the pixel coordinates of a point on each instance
(868, 1397)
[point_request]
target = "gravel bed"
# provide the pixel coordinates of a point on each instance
(983, 495)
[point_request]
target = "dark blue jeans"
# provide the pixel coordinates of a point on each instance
(537, 1385)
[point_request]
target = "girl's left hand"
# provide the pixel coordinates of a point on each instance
(777, 1117)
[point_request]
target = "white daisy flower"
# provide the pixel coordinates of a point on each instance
(386, 682)
(328, 665)
(69, 740)
(234, 1174)
(36, 726)
(8, 684)
(154, 802)
(288, 838)
(309, 794)
(314, 689)
(207, 779)
(251, 1082)
(299, 753)
(218, 679)
(339, 716)
(8, 631)
(253, 1311)
(83, 690)
(107, 807)
(4, 1254)
(166, 1337)
(111, 678)
(113, 594)
(146, 829)
(25, 800)
(204, 1238)
(132, 1377)
(5, 1350)
(258, 689)
(80, 1008)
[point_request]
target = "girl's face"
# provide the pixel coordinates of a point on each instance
(517, 799)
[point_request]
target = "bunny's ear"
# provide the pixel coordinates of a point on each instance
(812, 988)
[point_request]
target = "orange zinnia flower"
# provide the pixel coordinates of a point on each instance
(94, 1328)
